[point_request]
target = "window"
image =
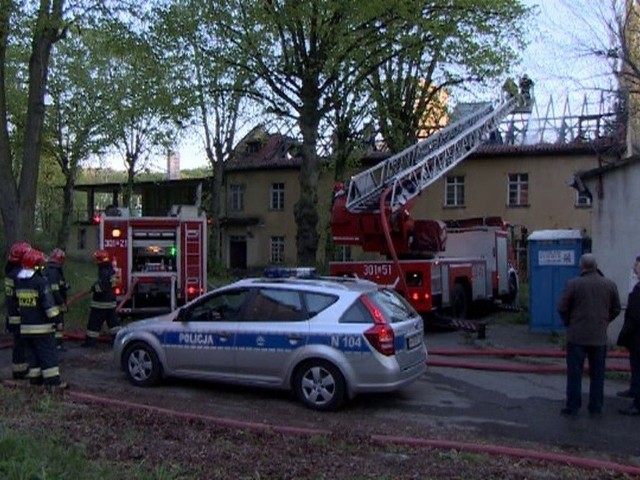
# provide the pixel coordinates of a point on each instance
(82, 239)
(277, 196)
(236, 200)
(395, 307)
(583, 199)
(357, 313)
(454, 191)
(518, 189)
(253, 146)
(277, 249)
(223, 306)
(317, 302)
(342, 253)
(271, 305)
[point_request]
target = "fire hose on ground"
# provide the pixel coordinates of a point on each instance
(556, 458)
(480, 448)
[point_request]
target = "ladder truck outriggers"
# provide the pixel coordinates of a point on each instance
(437, 266)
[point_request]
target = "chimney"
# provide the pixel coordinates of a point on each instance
(173, 165)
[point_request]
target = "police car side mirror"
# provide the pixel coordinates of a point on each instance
(182, 315)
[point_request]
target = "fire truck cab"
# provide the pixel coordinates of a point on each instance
(160, 262)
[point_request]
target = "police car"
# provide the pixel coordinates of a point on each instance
(324, 339)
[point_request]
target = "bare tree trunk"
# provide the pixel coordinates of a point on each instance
(131, 175)
(67, 211)
(9, 197)
(18, 203)
(306, 209)
(45, 34)
(216, 190)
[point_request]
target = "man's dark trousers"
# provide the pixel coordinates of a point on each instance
(596, 356)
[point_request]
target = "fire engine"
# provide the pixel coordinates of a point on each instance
(436, 265)
(160, 262)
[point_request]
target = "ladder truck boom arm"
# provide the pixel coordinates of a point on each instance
(411, 171)
(373, 211)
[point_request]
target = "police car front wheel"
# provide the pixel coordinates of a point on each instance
(320, 385)
(142, 365)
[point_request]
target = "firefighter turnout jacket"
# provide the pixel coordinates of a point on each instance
(104, 297)
(59, 286)
(38, 311)
(13, 314)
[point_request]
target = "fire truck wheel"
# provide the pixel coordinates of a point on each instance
(459, 302)
(142, 365)
(319, 385)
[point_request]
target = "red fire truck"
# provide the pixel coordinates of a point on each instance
(160, 262)
(436, 265)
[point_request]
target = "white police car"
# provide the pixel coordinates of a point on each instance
(325, 339)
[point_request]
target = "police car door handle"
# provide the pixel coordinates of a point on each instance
(224, 336)
(295, 338)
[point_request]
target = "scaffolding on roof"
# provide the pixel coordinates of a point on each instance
(602, 119)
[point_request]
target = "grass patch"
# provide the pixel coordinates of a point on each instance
(35, 444)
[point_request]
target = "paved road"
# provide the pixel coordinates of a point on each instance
(501, 408)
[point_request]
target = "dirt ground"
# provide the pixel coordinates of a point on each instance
(190, 430)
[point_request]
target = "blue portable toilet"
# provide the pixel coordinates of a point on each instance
(554, 257)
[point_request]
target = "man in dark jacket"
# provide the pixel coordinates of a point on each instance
(59, 287)
(19, 365)
(587, 306)
(103, 302)
(630, 338)
(38, 319)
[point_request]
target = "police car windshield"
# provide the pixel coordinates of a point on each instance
(395, 308)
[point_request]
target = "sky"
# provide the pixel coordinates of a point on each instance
(555, 60)
(557, 57)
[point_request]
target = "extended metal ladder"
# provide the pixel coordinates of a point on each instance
(418, 166)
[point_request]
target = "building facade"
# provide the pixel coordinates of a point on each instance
(522, 175)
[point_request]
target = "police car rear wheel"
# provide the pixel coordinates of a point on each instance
(320, 385)
(142, 365)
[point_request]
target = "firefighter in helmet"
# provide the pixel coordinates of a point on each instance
(103, 302)
(59, 287)
(39, 316)
(19, 365)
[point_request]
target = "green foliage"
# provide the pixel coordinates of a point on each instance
(460, 43)
(80, 275)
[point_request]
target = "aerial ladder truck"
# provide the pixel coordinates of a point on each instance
(435, 265)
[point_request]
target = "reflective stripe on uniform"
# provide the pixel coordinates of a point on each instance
(53, 312)
(59, 334)
(34, 373)
(103, 305)
(20, 367)
(36, 329)
(8, 286)
(14, 320)
(114, 330)
(51, 372)
(92, 334)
